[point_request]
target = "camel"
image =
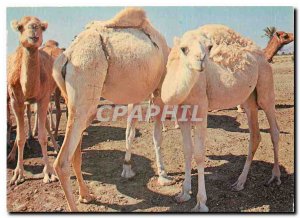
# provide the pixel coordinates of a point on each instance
(30, 81)
(123, 60)
(51, 48)
(213, 67)
(279, 39)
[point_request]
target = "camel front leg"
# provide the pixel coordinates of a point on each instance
(35, 127)
(199, 155)
(29, 114)
(163, 178)
(130, 134)
(18, 110)
(55, 145)
(42, 107)
(185, 128)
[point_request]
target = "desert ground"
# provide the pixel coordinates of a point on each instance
(103, 151)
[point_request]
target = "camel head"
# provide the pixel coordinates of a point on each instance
(187, 58)
(284, 38)
(31, 31)
(193, 50)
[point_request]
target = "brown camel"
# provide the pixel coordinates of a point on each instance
(30, 81)
(279, 39)
(52, 49)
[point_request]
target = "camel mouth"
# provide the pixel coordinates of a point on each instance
(34, 38)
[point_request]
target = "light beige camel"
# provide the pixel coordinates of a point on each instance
(29, 81)
(123, 60)
(214, 67)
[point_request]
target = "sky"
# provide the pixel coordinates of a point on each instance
(66, 22)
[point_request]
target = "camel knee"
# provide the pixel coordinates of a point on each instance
(199, 158)
(21, 141)
(61, 168)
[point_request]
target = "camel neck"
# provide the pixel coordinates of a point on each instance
(272, 48)
(30, 73)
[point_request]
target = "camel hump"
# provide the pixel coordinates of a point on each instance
(128, 17)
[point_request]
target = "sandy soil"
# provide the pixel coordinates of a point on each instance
(103, 152)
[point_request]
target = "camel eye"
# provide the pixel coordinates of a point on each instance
(286, 36)
(185, 50)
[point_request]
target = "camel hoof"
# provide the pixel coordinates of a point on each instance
(49, 177)
(87, 199)
(274, 178)
(17, 178)
(177, 127)
(200, 208)
(182, 197)
(164, 180)
(240, 111)
(127, 171)
(237, 186)
(164, 129)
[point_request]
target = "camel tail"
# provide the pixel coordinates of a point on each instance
(59, 74)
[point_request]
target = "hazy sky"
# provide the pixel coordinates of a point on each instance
(66, 22)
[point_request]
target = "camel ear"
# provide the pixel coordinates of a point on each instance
(16, 26)
(44, 25)
(176, 40)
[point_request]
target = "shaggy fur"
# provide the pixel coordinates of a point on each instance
(122, 60)
(215, 68)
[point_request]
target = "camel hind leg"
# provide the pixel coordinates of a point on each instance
(130, 134)
(251, 110)
(266, 100)
(83, 98)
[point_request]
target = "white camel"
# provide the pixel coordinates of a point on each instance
(123, 60)
(214, 67)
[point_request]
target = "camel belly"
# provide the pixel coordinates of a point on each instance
(226, 89)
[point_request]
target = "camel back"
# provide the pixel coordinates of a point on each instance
(230, 49)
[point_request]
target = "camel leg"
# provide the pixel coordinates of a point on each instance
(266, 100)
(55, 145)
(50, 113)
(176, 124)
(163, 178)
(42, 108)
(77, 122)
(199, 155)
(29, 114)
(12, 154)
(35, 127)
(185, 128)
(130, 134)
(274, 131)
(84, 193)
(164, 129)
(58, 110)
(18, 110)
(251, 110)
